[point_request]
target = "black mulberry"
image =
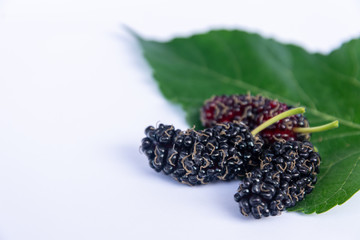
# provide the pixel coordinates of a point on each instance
(286, 174)
(223, 152)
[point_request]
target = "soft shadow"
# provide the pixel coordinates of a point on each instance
(223, 197)
(220, 193)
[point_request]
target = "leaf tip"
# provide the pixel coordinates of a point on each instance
(131, 32)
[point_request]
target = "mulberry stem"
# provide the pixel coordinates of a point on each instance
(279, 117)
(321, 128)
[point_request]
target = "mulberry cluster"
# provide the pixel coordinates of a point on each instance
(223, 152)
(278, 163)
(287, 172)
(253, 111)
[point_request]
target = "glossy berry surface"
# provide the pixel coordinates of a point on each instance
(253, 111)
(286, 174)
(222, 152)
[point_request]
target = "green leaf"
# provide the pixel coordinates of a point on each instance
(191, 70)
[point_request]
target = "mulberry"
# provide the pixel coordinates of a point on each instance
(286, 174)
(253, 111)
(223, 152)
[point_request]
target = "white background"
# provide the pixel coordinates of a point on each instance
(76, 95)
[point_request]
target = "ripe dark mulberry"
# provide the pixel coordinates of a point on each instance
(223, 152)
(253, 111)
(286, 174)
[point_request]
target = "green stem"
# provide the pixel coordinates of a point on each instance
(279, 117)
(321, 128)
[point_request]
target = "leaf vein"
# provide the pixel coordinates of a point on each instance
(343, 77)
(342, 135)
(236, 66)
(341, 187)
(328, 167)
